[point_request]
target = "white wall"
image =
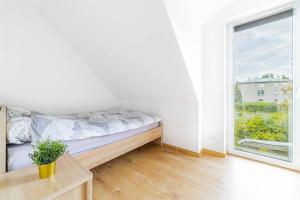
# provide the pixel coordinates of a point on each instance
(39, 70)
(180, 121)
(188, 17)
(214, 106)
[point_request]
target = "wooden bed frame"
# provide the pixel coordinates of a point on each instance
(97, 156)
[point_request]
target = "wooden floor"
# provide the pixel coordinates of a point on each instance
(152, 172)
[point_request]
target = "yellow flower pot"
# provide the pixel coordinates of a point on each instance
(47, 170)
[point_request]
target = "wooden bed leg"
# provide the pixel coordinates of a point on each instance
(89, 190)
(158, 141)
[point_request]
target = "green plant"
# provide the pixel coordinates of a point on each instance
(267, 107)
(47, 151)
(261, 107)
(263, 126)
(237, 94)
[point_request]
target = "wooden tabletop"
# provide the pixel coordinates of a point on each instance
(25, 183)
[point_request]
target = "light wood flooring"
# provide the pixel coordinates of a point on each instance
(152, 172)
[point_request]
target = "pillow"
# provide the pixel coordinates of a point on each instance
(13, 112)
(19, 130)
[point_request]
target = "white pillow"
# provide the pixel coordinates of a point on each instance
(13, 112)
(19, 130)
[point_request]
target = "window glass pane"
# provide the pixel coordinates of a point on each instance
(263, 82)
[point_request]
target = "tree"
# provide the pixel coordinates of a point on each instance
(237, 94)
(270, 75)
(284, 77)
(266, 76)
(287, 89)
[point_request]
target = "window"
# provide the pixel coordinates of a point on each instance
(260, 92)
(263, 51)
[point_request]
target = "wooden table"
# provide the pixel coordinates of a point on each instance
(72, 181)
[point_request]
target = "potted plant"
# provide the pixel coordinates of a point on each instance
(45, 153)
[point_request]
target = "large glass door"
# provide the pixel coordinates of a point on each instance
(262, 63)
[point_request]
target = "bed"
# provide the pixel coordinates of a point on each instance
(91, 151)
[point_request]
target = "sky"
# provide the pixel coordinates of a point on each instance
(264, 49)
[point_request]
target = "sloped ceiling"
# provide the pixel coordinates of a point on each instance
(129, 44)
(188, 18)
(40, 71)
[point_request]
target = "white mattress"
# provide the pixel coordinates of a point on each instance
(17, 155)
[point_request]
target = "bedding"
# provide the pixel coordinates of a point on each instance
(17, 155)
(32, 126)
(19, 130)
(13, 112)
(19, 125)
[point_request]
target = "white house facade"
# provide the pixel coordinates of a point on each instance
(266, 90)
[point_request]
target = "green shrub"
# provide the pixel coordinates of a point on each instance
(261, 107)
(273, 127)
(239, 107)
(47, 151)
